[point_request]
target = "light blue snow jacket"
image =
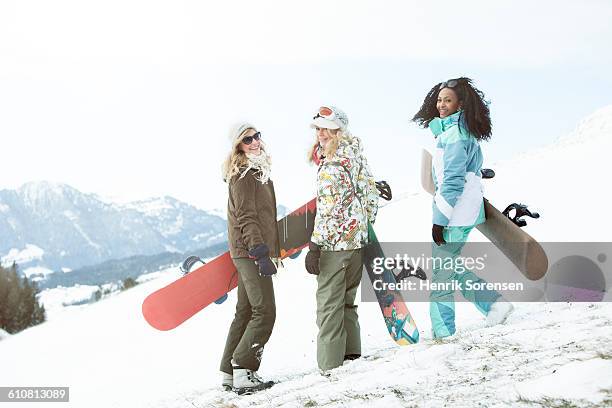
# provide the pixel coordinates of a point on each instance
(457, 161)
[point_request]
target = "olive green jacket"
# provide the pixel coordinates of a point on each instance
(251, 215)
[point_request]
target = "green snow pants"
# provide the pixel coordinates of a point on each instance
(254, 318)
(336, 310)
(442, 302)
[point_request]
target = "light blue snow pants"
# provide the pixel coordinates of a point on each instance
(442, 302)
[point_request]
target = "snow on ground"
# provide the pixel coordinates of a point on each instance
(110, 357)
(547, 354)
(573, 380)
(3, 334)
(498, 366)
(56, 299)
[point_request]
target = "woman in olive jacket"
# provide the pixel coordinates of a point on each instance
(254, 248)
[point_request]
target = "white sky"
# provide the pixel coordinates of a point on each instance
(130, 99)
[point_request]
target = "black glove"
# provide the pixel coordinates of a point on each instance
(261, 254)
(437, 235)
(312, 258)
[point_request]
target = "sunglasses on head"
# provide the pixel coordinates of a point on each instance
(249, 139)
(449, 84)
(325, 113)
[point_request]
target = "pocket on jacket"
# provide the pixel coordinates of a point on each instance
(239, 244)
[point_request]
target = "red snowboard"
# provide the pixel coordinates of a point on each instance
(170, 306)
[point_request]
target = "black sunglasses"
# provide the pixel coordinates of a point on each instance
(249, 139)
(449, 84)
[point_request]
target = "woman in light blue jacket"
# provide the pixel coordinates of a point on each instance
(458, 115)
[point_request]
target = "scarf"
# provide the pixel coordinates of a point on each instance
(262, 165)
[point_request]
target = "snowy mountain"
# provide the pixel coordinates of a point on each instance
(546, 354)
(50, 226)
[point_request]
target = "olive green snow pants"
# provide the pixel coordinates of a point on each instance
(254, 318)
(336, 310)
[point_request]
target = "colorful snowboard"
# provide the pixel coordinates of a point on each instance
(400, 324)
(518, 246)
(170, 306)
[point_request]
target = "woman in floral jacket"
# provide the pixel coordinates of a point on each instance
(347, 200)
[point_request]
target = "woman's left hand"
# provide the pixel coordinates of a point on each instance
(261, 255)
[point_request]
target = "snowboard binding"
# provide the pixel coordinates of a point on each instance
(188, 264)
(384, 190)
(410, 272)
(515, 212)
(192, 263)
(487, 173)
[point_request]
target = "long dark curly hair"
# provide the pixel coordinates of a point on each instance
(474, 108)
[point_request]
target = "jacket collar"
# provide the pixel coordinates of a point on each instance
(438, 125)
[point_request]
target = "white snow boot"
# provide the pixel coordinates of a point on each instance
(499, 312)
(247, 381)
(227, 381)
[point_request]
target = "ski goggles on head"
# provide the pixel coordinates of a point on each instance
(325, 113)
(329, 117)
(449, 84)
(249, 139)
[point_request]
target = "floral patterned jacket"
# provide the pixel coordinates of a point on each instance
(347, 198)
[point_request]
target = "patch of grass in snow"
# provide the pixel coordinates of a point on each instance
(355, 396)
(309, 402)
(547, 402)
(218, 403)
(604, 356)
(398, 393)
(607, 402)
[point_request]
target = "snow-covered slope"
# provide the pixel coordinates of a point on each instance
(546, 354)
(3, 334)
(109, 356)
(567, 182)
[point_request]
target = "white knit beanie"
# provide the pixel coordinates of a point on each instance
(238, 130)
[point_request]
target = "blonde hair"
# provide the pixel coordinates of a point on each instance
(332, 146)
(236, 160)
